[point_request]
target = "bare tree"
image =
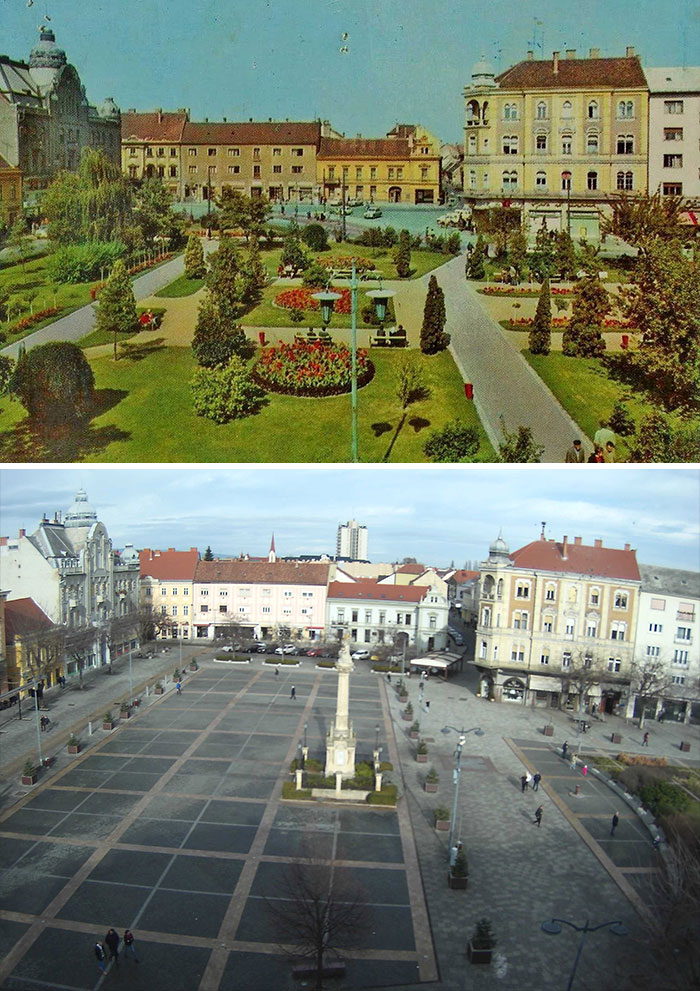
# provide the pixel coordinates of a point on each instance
(120, 628)
(79, 641)
(42, 650)
(587, 673)
(317, 909)
(233, 629)
(650, 681)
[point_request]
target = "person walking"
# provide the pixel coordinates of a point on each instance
(572, 762)
(178, 688)
(575, 454)
(528, 778)
(645, 741)
(564, 748)
(523, 784)
(293, 693)
(129, 944)
(584, 770)
(100, 955)
(536, 781)
(112, 941)
(615, 820)
(538, 817)
(277, 672)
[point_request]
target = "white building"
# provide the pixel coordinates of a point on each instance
(674, 131)
(668, 630)
(369, 613)
(352, 541)
(68, 567)
(167, 589)
(262, 598)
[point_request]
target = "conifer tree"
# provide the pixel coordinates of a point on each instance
(195, 266)
(216, 340)
(402, 255)
(582, 338)
(543, 255)
(116, 312)
(476, 268)
(255, 272)
(564, 255)
(432, 336)
(540, 338)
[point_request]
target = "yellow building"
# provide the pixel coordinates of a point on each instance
(34, 645)
(554, 138)
(403, 167)
(10, 192)
(152, 146)
(167, 580)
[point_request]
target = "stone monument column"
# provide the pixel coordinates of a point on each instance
(341, 741)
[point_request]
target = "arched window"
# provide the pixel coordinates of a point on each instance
(541, 110)
(566, 109)
(592, 180)
(472, 112)
(629, 180)
(541, 141)
(550, 592)
(625, 144)
(618, 631)
(566, 142)
(499, 589)
(510, 144)
(541, 180)
(472, 179)
(510, 180)
(620, 180)
(625, 110)
(510, 111)
(592, 143)
(593, 110)
(472, 144)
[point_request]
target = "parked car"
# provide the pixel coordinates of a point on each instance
(360, 655)
(314, 652)
(261, 647)
(228, 648)
(372, 212)
(286, 648)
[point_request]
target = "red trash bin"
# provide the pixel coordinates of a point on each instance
(469, 390)
(625, 340)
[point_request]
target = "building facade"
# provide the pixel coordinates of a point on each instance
(45, 118)
(151, 146)
(10, 193)
(351, 541)
(668, 631)
(403, 167)
(554, 615)
(370, 614)
(263, 599)
(70, 570)
(167, 590)
(34, 646)
(554, 138)
(674, 131)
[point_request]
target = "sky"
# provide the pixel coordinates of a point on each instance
(406, 60)
(438, 515)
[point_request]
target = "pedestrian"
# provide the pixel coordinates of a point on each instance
(656, 842)
(584, 770)
(572, 762)
(100, 955)
(615, 820)
(277, 672)
(293, 693)
(536, 781)
(129, 945)
(528, 778)
(596, 456)
(645, 741)
(538, 817)
(564, 748)
(112, 941)
(523, 783)
(609, 453)
(178, 688)
(388, 676)
(575, 454)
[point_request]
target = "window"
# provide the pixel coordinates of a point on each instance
(424, 173)
(297, 169)
(174, 610)
(592, 180)
(566, 146)
(541, 180)
(234, 169)
(680, 657)
(368, 615)
(541, 142)
(566, 109)
(656, 627)
(517, 653)
(164, 610)
(672, 188)
(618, 631)
(653, 651)
(544, 657)
(683, 633)
(673, 161)
(472, 144)
(594, 597)
(569, 629)
(673, 106)
(354, 615)
(510, 180)
(625, 144)
(223, 593)
(593, 110)
(149, 153)
(625, 110)
(233, 152)
(625, 180)
(541, 110)
(432, 622)
(399, 172)
(522, 590)
(548, 624)
(211, 152)
(132, 151)
(673, 134)
(614, 664)
(391, 172)
(173, 152)
(185, 610)
(276, 152)
(510, 144)
(550, 593)
(591, 628)
(510, 111)
(373, 171)
(192, 169)
(161, 153)
(566, 659)
(678, 679)
(358, 172)
(204, 591)
(173, 171)
(256, 171)
(620, 600)
(174, 592)
(592, 144)
(204, 608)
(149, 592)
(298, 152)
(482, 649)
(256, 154)
(163, 590)
(161, 171)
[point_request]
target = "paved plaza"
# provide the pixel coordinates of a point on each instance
(173, 825)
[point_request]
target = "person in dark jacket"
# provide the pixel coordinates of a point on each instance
(129, 944)
(112, 941)
(100, 956)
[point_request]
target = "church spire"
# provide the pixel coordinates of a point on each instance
(272, 556)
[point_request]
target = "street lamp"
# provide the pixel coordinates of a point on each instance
(554, 927)
(566, 177)
(210, 167)
(457, 772)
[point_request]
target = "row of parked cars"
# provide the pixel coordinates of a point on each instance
(260, 647)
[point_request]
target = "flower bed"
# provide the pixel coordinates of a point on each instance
(522, 291)
(345, 262)
(311, 369)
(134, 270)
(29, 321)
(610, 323)
(302, 299)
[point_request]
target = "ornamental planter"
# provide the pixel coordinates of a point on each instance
(413, 734)
(108, 724)
(431, 786)
(548, 730)
(29, 773)
(407, 716)
(685, 747)
(478, 955)
(125, 714)
(615, 738)
(74, 748)
(458, 883)
(422, 758)
(29, 779)
(442, 825)
(403, 699)
(158, 691)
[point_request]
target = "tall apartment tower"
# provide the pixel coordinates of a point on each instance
(352, 541)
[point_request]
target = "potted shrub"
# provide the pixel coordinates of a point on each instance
(73, 744)
(402, 691)
(441, 815)
(29, 772)
(480, 946)
(432, 780)
(458, 874)
(108, 721)
(548, 730)
(408, 712)
(422, 752)
(414, 730)
(176, 675)
(158, 688)
(193, 665)
(125, 711)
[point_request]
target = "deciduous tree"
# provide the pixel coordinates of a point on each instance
(55, 384)
(582, 338)
(94, 203)
(518, 446)
(195, 265)
(215, 339)
(116, 310)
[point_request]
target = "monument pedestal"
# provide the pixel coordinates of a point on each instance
(341, 741)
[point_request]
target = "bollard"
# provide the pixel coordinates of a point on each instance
(578, 790)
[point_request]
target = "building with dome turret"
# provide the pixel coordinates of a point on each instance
(46, 119)
(70, 570)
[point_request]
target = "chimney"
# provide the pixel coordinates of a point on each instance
(3, 541)
(565, 548)
(530, 55)
(629, 52)
(594, 53)
(627, 547)
(555, 63)
(598, 543)
(571, 53)
(225, 119)
(171, 550)
(193, 549)
(160, 116)
(23, 533)
(577, 541)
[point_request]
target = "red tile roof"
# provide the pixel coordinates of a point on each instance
(375, 591)
(411, 569)
(263, 572)
(169, 565)
(153, 126)
(462, 576)
(24, 616)
(395, 148)
(254, 133)
(602, 562)
(587, 73)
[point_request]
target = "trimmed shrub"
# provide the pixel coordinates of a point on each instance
(83, 262)
(54, 383)
(454, 442)
(195, 266)
(386, 796)
(226, 392)
(315, 236)
(664, 798)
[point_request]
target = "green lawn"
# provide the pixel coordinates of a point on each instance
(266, 314)
(422, 261)
(181, 286)
(146, 415)
(34, 281)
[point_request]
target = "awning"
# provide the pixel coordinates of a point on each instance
(690, 218)
(443, 660)
(539, 683)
